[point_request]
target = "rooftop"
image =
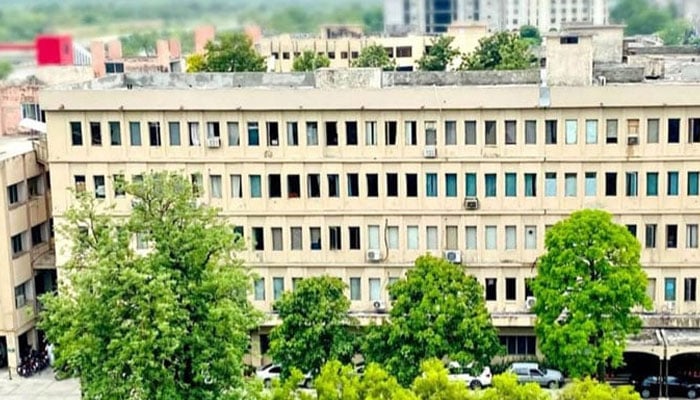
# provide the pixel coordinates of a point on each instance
(13, 146)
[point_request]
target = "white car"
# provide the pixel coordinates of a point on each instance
(458, 373)
(269, 372)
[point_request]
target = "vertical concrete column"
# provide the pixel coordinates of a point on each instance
(97, 49)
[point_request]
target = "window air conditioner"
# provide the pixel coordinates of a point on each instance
(530, 302)
(213, 142)
(471, 203)
(379, 305)
(374, 255)
(453, 256)
(430, 152)
(632, 140)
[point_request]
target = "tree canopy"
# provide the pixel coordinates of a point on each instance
(374, 56)
(437, 311)
(439, 56)
(645, 17)
(501, 51)
(587, 284)
(531, 35)
(169, 322)
(231, 52)
(315, 326)
(310, 61)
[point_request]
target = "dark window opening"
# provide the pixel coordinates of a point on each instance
(314, 182)
(372, 185)
(274, 183)
(674, 130)
(694, 130)
(331, 134)
(491, 289)
(392, 185)
(550, 131)
(412, 185)
(510, 288)
(293, 186)
(333, 185)
(671, 236)
(611, 184)
(353, 185)
(335, 240)
(154, 133)
(351, 133)
(273, 134)
(76, 132)
(95, 134)
(632, 228)
(258, 238)
(568, 40)
(390, 127)
(354, 237)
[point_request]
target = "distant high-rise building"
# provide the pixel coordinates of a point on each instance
(434, 16)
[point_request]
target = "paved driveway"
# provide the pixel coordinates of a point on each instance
(42, 386)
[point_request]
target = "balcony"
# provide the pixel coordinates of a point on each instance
(41, 149)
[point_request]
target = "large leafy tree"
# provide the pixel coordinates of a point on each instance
(315, 326)
(588, 282)
(374, 56)
(502, 51)
(232, 52)
(440, 55)
(170, 323)
(531, 35)
(310, 61)
(437, 311)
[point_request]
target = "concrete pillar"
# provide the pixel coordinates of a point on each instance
(12, 353)
(97, 49)
(114, 50)
(203, 35)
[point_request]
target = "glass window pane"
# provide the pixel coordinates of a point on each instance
(470, 185)
(490, 235)
(375, 289)
(550, 184)
(451, 185)
(571, 126)
(470, 233)
(412, 237)
(431, 237)
(511, 184)
(373, 237)
(591, 131)
(652, 183)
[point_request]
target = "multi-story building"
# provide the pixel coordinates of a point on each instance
(355, 173)
(435, 16)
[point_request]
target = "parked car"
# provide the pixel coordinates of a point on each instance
(651, 386)
(267, 373)
(464, 374)
(532, 372)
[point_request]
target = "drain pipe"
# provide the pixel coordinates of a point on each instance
(664, 381)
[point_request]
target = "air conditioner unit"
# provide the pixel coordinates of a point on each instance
(379, 305)
(453, 256)
(632, 140)
(471, 203)
(213, 142)
(374, 255)
(430, 152)
(530, 302)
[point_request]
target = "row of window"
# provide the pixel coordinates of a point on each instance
(19, 192)
(432, 181)
(24, 241)
(401, 52)
(333, 132)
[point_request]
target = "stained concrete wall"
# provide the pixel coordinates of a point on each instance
(619, 73)
(460, 78)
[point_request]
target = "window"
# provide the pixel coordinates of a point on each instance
(652, 183)
(293, 186)
(35, 185)
(650, 236)
(371, 133)
(32, 111)
(315, 234)
(374, 289)
(671, 236)
(451, 237)
(511, 289)
(411, 133)
(568, 39)
(354, 234)
(372, 185)
(470, 179)
(215, 186)
(450, 132)
(431, 186)
(550, 184)
(611, 131)
(693, 180)
(431, 237)
(255, 186)
(653, 130)
(430, 133)
(570, 185)
(490, 185)
(135, 133)
(690, 286)
(632, 228)
(115, 133)
(260, 289)
(591, 184)
(411, 185)
(511, 237)
(277, 287)
(631, 184)
(214, 130)
(253, 134)
(404, 51)
(277, 239)
(234, 134)
(174, 133)
(591, 131)
(451, 185)
(313, 182)
(193, 133)
(331, 133)
(412, 237)
(571, 127)
(491, 289)
(672, 183)
(21, 294)
(154, 134)
(670, 289)
(76, 133)
(392, 185)
(469, 132)
(355, 289)
(333, 185)
(335, 241)
(79, 183)
(633, 127)
(530, 237)
(611, 184)
(236, 187)
(510, 132)
(530, 185)
(519, 345)
(39, 235)
(373, 237)
(17, 242)
(13, 194)
(550, 131)
(295, 234)
(528, 289)
(99, 181)
(353, 185)
(95, 134)
(470, 235)
(674, 130)
(351, 133)
(530, 132)
(258, 238)
(274, 186)
(691, 236)
(393, 234)
(490, 132)
(391, 132)
(511, 184)
(490, 237)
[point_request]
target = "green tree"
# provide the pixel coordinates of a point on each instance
(437, 311)
(677, 32)
(506, 387)
(641, 17)
(139, 44)
(196, 63)
(5, 69)
(374, 56)
(590, 389)
(172, 323)
(340, 382)
(502, 51)
(531, 35)
(310, 61)
(587, 283)
(433, 383)
(440, 55)
(315, 326)
(232, 52)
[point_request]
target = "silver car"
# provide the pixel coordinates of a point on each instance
(531, 372)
